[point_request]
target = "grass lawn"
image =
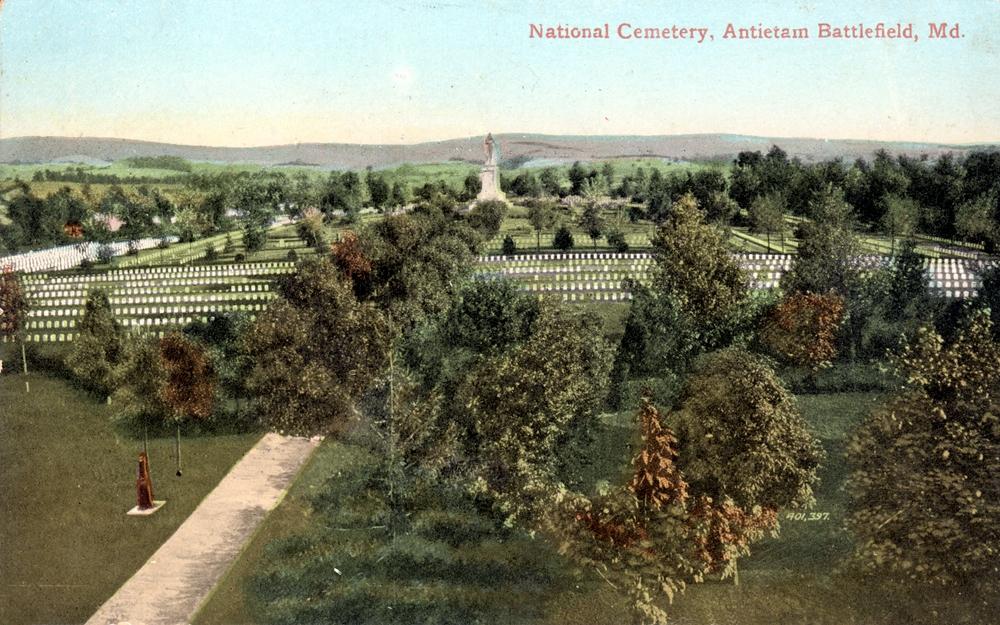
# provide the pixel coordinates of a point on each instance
(226, 606)
(67, 478)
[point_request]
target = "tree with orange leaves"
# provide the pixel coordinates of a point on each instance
(350, 259)
(802, 329)
(188, 387)
(638, 535)
(13, 310)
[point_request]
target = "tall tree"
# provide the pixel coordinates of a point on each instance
(767, 215)
(13, 311)
(744, 446)
(828, 252)
(99, 347)
(694, 267)
(549, 180)
(899, 219)
(542, 217)
(314, 351)
(592, 222)
(534, 408)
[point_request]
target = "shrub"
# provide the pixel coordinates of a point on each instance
(509, 247)
(163, 244)
(292, 256)
(563, 239)
(240, 257)
(210, 253)
(617, 240)
(105, 254)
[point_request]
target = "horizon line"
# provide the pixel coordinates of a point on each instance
(982, 143)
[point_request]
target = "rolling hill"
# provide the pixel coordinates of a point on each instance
(519, 148)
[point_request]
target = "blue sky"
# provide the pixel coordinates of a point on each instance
(221, 72)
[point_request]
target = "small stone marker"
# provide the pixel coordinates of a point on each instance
(146, 505)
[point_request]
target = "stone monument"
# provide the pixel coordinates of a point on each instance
(144, 490)
(489, 175)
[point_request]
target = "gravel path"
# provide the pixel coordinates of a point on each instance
(173, 583)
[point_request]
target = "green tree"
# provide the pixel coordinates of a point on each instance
(549, 180)
(767, 215)
(416, 262)
(899, 219)
(743, 442)
(563, 239)
(989, 296)
(486, 218)
(908, 282)
(509, 246)
(616, 239)
(720, 208)
(828, 253)
(525, 184)
(923, 504)
(592, 222)
(608, 174)
(137, 381)
(976, 220)
(379, 191)
(99, 347)
(400, 195)
(310, 229)
(695, 269)
(314, 351)
(542, 217)
(257, 198)
(577, 177)
(471, 187)
(534, 408)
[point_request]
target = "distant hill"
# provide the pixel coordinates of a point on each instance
(515, 147)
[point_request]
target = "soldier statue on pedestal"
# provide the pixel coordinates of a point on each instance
(489, 175)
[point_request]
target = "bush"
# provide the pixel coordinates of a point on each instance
(617, 240)
(105, 254)
(228, 246)
(163, 244)
(240, 257)
(86, 264)
(292, 256)
(210, 253)
(509, 247)
(563, 239)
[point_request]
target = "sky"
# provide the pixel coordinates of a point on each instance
(249, 72)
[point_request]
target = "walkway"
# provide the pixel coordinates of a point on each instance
(173, 583)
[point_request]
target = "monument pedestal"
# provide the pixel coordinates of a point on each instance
(137, 511)
(489, 185)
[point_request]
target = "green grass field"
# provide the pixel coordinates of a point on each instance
(67, 478)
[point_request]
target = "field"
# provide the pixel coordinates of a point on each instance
(67, 478)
